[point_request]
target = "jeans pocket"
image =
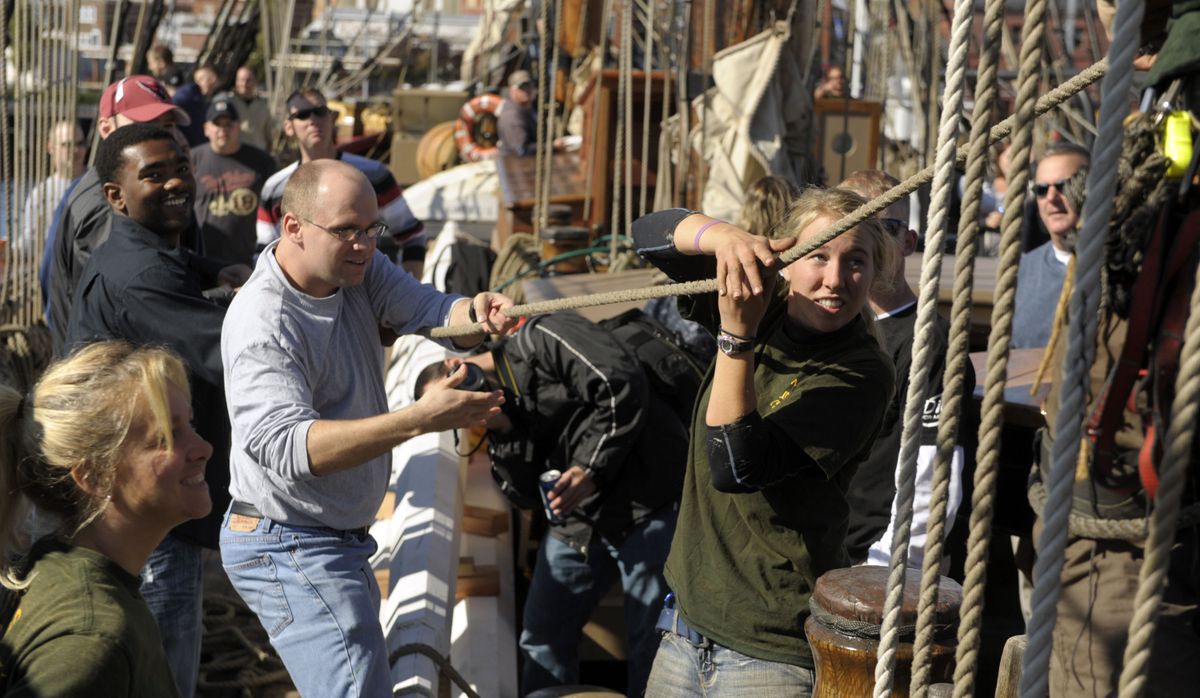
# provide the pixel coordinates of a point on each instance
(258, 584)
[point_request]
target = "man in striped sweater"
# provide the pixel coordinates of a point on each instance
(311, 123)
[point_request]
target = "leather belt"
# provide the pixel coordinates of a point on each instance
(251, 511)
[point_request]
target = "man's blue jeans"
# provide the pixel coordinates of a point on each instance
(683, 669)
(567, 585)
(173, 587)
(316, 596)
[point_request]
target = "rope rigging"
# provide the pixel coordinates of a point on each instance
(1000, 131)
(943, 181)
(983, 497)
(1164, 521)
(1080, 346)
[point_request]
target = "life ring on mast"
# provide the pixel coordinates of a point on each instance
(477, 132)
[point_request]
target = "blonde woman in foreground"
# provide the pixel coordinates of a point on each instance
(104, 454)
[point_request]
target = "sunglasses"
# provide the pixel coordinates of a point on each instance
(310, 113)
(1041, 190)
(371, 232)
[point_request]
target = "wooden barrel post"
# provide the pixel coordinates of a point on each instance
(843, 631)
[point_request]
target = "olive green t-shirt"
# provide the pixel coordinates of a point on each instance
(82, 629)
(742, 566)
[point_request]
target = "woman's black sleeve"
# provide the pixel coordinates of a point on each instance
(744, 456)
(654, 240)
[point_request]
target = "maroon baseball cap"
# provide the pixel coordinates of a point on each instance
(141, 98)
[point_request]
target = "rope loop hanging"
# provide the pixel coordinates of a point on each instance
(1085, 297)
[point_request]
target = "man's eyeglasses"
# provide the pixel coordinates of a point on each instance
(1041, 190)
(312, 112)
(372, 232)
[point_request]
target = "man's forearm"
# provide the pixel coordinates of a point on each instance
(335, 444)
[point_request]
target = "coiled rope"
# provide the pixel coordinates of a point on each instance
(1080, 346)
(1132, 530)
(983, 497)
(1044, 104)
(1163, 522)
(931, 272)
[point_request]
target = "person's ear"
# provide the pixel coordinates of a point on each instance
(287, 129)
(86, 483)
(115, 196)
(290, 227)
(106, 126)
(908, 242)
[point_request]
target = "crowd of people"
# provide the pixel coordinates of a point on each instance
(217, 323)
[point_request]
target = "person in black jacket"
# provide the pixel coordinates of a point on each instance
(578, 402)
(143, 286)
(85, 220)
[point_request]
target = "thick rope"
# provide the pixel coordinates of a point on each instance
(618, 150)
(551, 117)
(1152, 578)
(992, 412)
(540, 212)
(1085, 299)
(998, 132)
(957, 355)
(627, 77)
(596, 158)
(682, 107)
(1056, 328)
(708, 49)
(922, 358)
(1132, 530)
(647, 72)
(665, 175)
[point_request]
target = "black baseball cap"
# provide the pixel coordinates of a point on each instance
(219, 108)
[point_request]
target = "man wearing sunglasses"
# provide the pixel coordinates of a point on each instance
(1042, 270)
(312, 433)
(311, 123)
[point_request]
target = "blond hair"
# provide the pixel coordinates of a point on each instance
(74, 426)
(766, 204)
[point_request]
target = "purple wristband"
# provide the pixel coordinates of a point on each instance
(706, 226)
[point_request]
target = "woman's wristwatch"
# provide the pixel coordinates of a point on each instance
(733, 344)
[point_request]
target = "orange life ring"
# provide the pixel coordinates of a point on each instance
(477, 131)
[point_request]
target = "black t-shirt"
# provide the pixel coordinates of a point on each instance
(227, 193)
(873, 486)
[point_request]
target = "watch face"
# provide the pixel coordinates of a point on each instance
(731, 346)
